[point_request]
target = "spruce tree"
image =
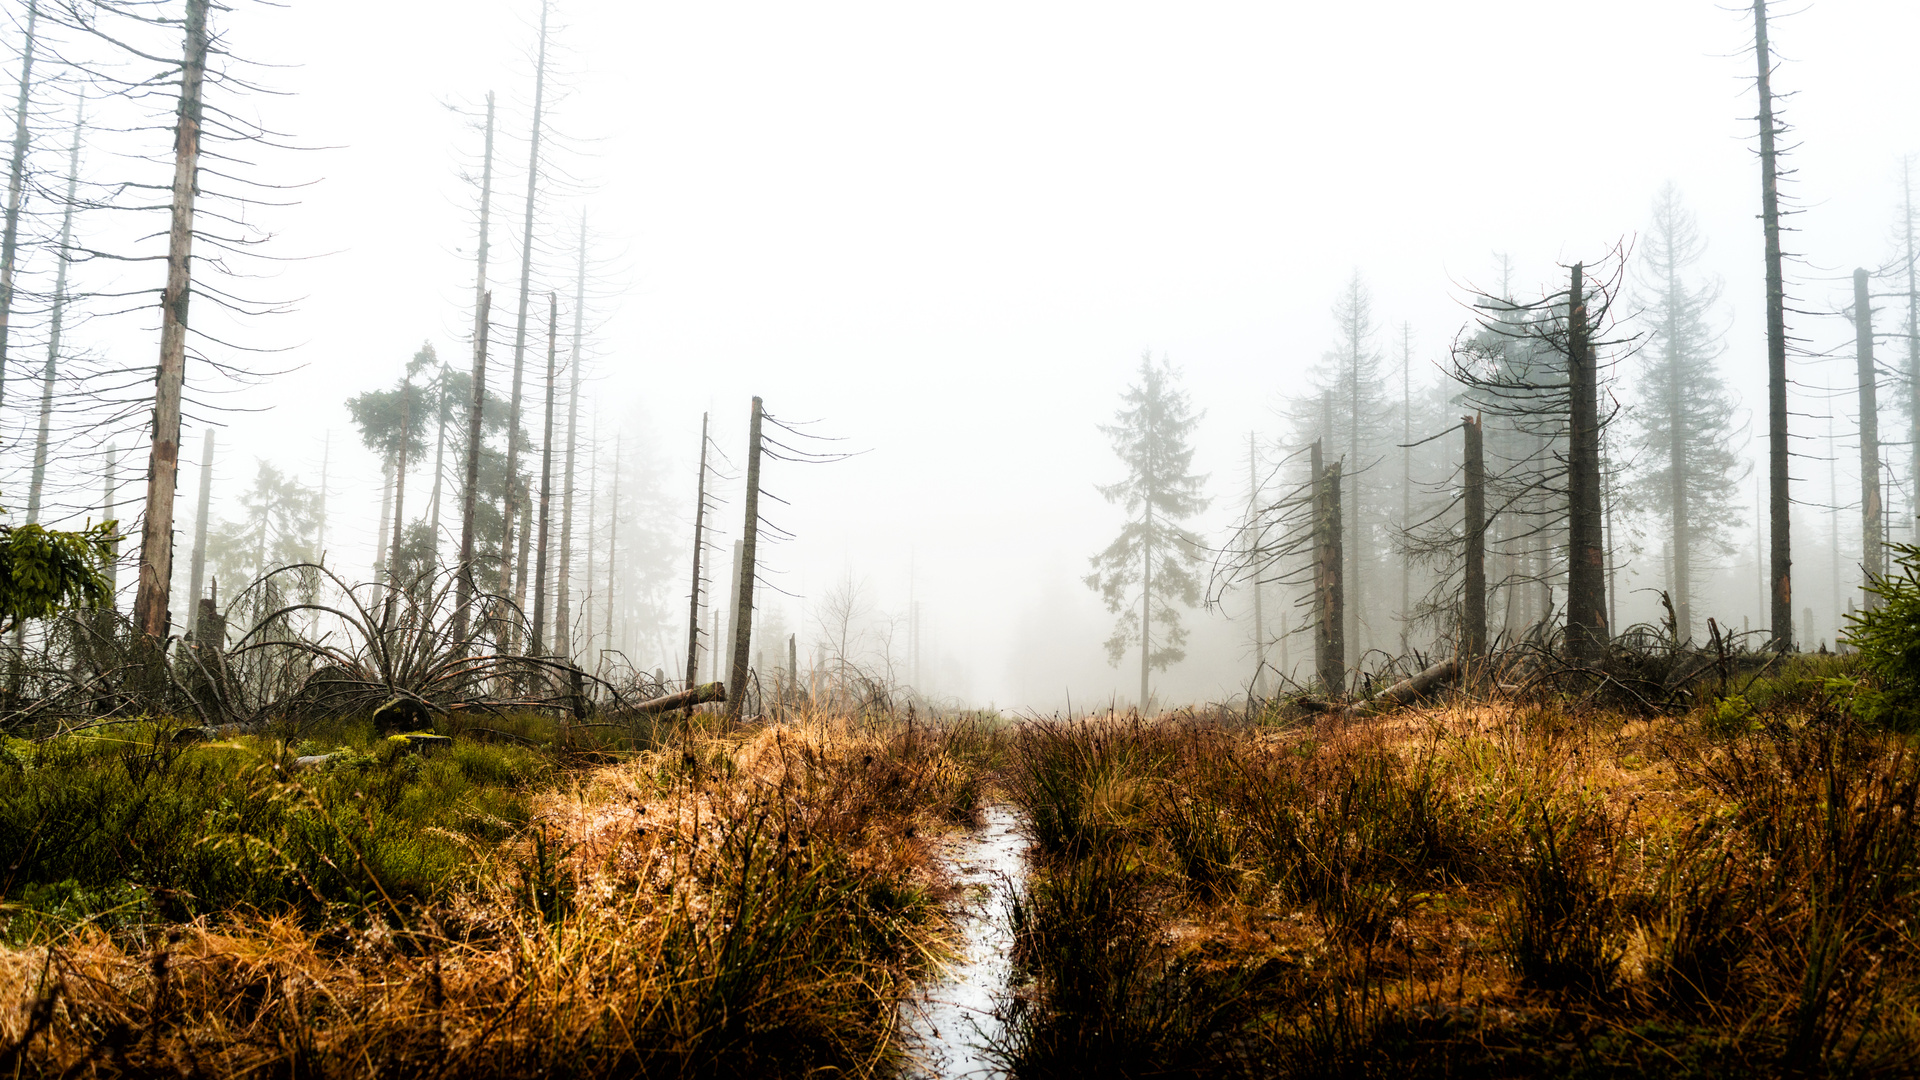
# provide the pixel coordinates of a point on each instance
(1151, 567)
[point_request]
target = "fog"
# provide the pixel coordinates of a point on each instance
(946, 236)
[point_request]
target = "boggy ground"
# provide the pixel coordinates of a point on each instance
(1490, 888)
(682, 900)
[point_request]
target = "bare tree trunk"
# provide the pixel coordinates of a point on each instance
(1259, 612)
(380, 548)
(1913, 346)
(56, 319)
(1779, 500)
(1873, 549)
(743, 603)
(163, 462)
(197, 577)
(470, 484)
(1586, 549)
(699, 539)
(439, 462)
(593, 515)
(108, 503)
(320, 540)
(613, 536)
(520, 325)
(546, 485)
(1146, 606)
(520, 583)
(1473, 620)
(16, 183)
(400, 491)
(1329, 599)
(1406, 477)
(564, 645)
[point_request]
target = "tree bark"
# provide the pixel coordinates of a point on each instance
(197, 578)
(163, 462)
(520, 323)
(439, 461)
(1913, 343)
(470, 484)
(108, 504)
(1586, 556)
(1473, 620)
(693, 695)
(1873, 565)
(699, 539)
(546, 485)
(1779, 502)
(1146, 605)
(613, 536)
(16, 184)
(1329, 591)
(743, 602)
(400, 492)
(1259, 612)
(564, 619)
(57, 317)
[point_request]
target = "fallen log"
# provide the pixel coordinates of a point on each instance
(1406, 691)
(695, 695)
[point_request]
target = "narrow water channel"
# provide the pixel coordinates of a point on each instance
(951, 1021)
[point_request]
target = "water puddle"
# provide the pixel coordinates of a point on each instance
(949, 1023)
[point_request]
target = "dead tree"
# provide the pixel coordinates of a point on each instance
(564, 616)
(1873, 562)
(163, 462)
(1779, 496)
(470, 485)
(400, 491)
(1473, 617)
(56, 319)
(699, 541)
(744, 585)
(1586, 561)
(613, 536)
(546, 485)
(520, 323)
(16, 183)
(197, 578)
(1330, 634)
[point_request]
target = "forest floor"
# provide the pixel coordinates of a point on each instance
(1481, 888)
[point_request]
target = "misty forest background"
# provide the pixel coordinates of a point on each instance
(316, 430)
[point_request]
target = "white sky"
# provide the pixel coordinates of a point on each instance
(948, 232)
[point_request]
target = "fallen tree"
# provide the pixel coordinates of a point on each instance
(1404, 692)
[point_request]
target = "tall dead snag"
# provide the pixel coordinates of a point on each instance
(699, 540)
(743, 602)
(520, 322)
(439, 458)
(1586, 557)
(613, 535)
(470, 484)
(1779, 499)
(546, 487)
(1873, 552)
(564, 617)
(1329, 594)
(163, 462)
(198, 575)
(56, 320)
(1473, 619)
(16, 183)
(400, 491)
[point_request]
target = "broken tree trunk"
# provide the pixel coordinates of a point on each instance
(743, 602)
(546, 487)
(563, 617)
(699, 528)
(163, 462)
(1873, 552)
(1587, 632)
(520, 322)
(1473, 619)
(684, 699)
(1405, 692)
(1330, 639)
(197, 577)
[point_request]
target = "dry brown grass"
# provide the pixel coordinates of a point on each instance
(726, 904)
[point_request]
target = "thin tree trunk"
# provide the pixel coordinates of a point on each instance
(613, 536)
(197, 577)
(16, 183)
(743, 604)
(520, 582)
(546, 485)
(1779, 503)
(1473, 620)
(320, 540)
(1406, 478)
(520, 323)
(57, 318)
(1146, 605)
(163, 463)
(1329, 598)
(1586, 548)
(1679, 508)
(380, 548)
(1259, 612)
(439, 461)
(108, 503)
(470, 484)
(1913, 347)
(1872, 541)
(699, 538)
(593, 500)
(564, 645)
(394, 564)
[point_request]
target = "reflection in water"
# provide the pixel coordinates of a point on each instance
(950, 1022)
